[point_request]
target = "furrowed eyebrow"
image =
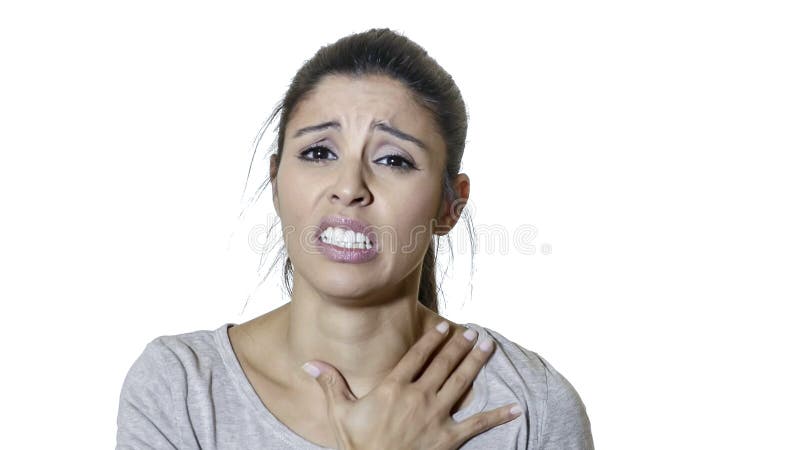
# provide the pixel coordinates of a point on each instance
(382, 126)
(320, 127)
(399, 134)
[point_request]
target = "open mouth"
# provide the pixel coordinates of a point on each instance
(344, 233)
(345, 238)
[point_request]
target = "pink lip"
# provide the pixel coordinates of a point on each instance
(350, 224)
(349, 255)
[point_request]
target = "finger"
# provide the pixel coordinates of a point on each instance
(419, 353)
(446, 360)
(460, 380)
(331, 381)
(481, 422)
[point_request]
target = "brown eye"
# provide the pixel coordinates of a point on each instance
(316, 153)
(397, 162)
(320, 153)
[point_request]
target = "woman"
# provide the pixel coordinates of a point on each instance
(366, 173)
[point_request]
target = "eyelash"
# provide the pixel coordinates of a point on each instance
(409, 165)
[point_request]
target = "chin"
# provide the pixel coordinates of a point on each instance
(340, 285)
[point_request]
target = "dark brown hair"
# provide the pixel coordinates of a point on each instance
(386, 52)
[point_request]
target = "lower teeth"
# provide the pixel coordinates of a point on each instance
(359, 245)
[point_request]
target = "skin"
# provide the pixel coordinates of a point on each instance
(361, 318)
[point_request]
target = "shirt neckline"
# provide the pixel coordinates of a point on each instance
(478, 403)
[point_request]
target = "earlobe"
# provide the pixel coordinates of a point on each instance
(462, 187)
(442, 225)
(449, 217)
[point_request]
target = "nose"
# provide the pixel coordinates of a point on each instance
(350, 188)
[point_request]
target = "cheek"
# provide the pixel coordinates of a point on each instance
(424, 200)
(292, 194)
(296, 203)
(414, 224)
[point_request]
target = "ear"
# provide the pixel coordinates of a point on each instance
(273, 175)
(451, 210)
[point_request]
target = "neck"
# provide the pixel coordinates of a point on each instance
(363, 342)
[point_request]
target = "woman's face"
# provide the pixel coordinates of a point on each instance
(357, 167)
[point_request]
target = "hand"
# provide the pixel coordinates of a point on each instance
(404, 413)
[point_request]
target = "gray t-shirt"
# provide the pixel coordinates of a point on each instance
(188, 391)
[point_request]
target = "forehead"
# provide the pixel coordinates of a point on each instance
(357, 101)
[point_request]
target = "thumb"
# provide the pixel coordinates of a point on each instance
(330, 380)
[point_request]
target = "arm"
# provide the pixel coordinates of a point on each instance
(146, 416)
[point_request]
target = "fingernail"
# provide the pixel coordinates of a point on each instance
(470, 334)
(311, 369)
(485, 345)
(515, 410)
(442, 327)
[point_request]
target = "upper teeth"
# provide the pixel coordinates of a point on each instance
(343, 237)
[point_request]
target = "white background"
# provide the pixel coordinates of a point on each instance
(653, 146)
